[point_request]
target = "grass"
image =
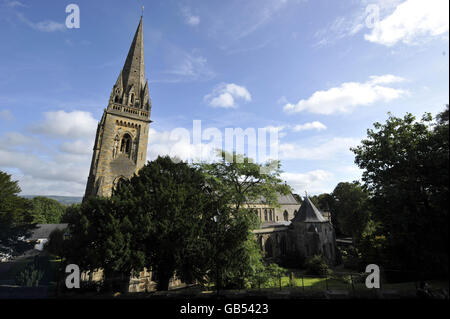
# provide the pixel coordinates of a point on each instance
(312, 283)
(339, 282)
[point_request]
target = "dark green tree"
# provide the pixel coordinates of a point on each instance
(406, 166)
(15, 218)
(298, 198)
(102, 236)
(170, 203)
(70, 214)
(46, 210)
(323, 202)
(350, 210)
(55, 244)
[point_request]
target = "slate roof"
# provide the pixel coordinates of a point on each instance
(43, 231)
(309, 213)
(288, 199)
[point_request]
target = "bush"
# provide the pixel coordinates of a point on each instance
(268, 276)
(55, 244)
(317, 265)
(351, 258)
(30, 276)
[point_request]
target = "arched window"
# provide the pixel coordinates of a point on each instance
(265, 214)
(116, 99)
(132, 98)
(270, 215)
(125, 145)
(286, 215)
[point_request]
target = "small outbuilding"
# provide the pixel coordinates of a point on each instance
(42, 232)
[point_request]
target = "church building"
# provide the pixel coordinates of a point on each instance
(120, 151)
(294, 229)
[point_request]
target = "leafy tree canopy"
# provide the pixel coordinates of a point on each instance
(406, 164)
(350, 208)
(241, 180)
(15, 218)
(46, 210)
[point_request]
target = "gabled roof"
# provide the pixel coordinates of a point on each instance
(43, 231)
(309, 213)
(288, 199)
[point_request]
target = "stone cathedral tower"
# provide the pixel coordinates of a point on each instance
(121, 142)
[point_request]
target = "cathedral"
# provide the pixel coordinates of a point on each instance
(120, 151)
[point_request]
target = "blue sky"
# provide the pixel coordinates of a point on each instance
(320, 71)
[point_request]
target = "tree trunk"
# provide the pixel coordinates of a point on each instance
(164, 279)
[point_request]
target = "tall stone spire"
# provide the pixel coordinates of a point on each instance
(131, 81)
(120, 147)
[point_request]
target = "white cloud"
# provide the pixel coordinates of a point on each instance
(75, 124)
(6, 115)
(12, 140)
(44, 26)
(324, 151)
(39, 169)
(177, 144)
(31, 185)
(193, 20)
(190, 18)
(225, 95)
(339, 28)
(349, 95)
(282, 100)
(313, 182)
(411, 22)
(385, 79)
(13, 4)
(78, 147)
(187, 67)
(316, 125)
(279, 129)
(259, 14)
(43, 168)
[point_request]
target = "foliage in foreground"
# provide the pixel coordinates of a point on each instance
(174, 219)
(31, 275)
